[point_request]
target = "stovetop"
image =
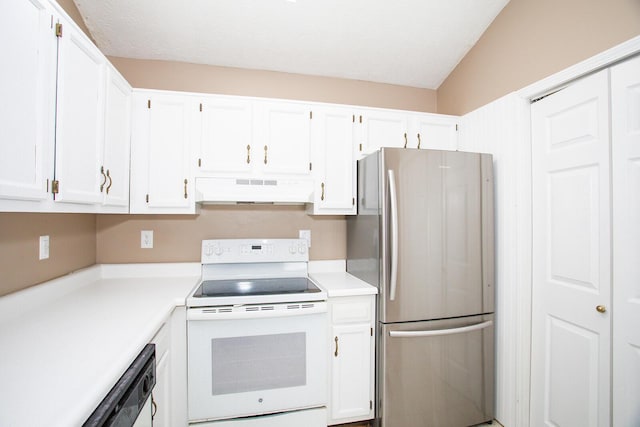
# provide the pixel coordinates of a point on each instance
(254, 271)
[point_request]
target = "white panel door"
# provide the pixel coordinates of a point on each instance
(28, 95)
(625, 112)
(284, 139)
(571, 339)
(381, 128)
(79, 118)
(225, 138)
(117, 136)
(334, 163)
(433, 131)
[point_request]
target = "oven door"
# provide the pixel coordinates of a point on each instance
(257, 359)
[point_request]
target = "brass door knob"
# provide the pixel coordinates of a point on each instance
(601, 308)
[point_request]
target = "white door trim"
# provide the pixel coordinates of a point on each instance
(523, 251)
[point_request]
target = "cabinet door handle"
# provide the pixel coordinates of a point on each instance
(322, 194)
(104, 179)
(110, 181)
(185, 188)
(405, 140)
(265, 154)
(419, 141)
(248, 153)
(336, 352)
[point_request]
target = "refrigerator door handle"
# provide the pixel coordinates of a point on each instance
(437, 332)
(394, 234)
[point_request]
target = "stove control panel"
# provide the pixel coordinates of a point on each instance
(233, 251)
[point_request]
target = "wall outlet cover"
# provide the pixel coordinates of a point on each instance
(305, 234)
(44, 247)
(146, 239)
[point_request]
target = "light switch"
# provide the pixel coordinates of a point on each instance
(146, 239)
(44, 247)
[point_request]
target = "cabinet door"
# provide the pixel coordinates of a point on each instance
(28, 96)
(225, 138)
(284, 137)
(117, 137)
(162, 392)
(79, 118)
(334, 163)
(161, 179)
(433, 131)
(351, 376)
(381, 128)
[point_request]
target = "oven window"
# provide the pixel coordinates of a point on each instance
(260, 362)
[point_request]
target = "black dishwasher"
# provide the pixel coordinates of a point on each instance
(127, 404)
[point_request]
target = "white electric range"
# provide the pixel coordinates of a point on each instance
(257, 334)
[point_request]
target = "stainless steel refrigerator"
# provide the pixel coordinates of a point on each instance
(424, 236)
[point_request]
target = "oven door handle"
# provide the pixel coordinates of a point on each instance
(289, 310)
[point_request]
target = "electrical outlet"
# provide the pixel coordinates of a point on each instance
(146, 239)
(305, 234)
(44, 247)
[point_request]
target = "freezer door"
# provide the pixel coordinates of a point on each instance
(436, 374)
(437, 234)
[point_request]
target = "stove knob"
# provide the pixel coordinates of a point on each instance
(292, 249)
(302, 249)
(208, 250)
(218, 250)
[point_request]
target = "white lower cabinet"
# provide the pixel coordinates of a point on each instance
(170, 391)
(351, 359)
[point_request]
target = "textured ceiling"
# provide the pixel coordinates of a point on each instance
(406, 42)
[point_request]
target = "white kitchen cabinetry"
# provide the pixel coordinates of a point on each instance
(161, 177)
(433, 131)
(333, 162)
(377, 128)
(79, 118)
(170, 391)
(117, 138)
(225, 137)
(27, 108)
(351, 354)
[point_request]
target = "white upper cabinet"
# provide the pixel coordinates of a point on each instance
(283, 138)
(28, 102)
(117, 137)
(161, 178)
(79, 118)
(333, 161)
(225, 137)
(380, 128)
(433, 131)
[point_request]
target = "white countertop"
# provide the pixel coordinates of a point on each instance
(330, 276)
(65, 343)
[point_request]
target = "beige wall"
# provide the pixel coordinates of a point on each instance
(237, 81)
(178, 237)
(72, 241)
(532, 39)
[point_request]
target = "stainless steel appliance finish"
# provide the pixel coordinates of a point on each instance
(424, 236)
(256, 335)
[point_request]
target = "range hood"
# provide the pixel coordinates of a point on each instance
(254, 190)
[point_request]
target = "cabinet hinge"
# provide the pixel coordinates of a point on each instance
(147, 198)
(148, 103)
(201, 107)
(58, 30)
(310, 115)
(199, 162)
(55, 186)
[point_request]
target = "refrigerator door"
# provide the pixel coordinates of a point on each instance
(436, 226)
(437, 373)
